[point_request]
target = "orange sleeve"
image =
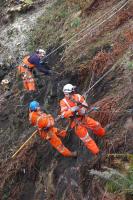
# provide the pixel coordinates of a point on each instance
(43, 122)
(61, 133)
(46, 122)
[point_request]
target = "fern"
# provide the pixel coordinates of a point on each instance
(116, 182)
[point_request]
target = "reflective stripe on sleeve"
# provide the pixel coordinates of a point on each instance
(79, 97)
(86, 138)
(84, 103)
(60, 148)
(64, 109)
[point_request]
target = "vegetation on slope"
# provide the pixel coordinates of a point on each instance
(38, 168)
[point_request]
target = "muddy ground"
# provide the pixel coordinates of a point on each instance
(38, 172)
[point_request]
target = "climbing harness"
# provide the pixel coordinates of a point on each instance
(78, 103)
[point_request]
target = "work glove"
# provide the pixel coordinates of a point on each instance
(75, 108)
(48, 72)
(82, 111)
(94, 108)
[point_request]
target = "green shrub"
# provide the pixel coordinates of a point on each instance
(76, 22)
(115, 181)
(28, 1)
(130, 65)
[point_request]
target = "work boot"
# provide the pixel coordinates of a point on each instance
(74, 154)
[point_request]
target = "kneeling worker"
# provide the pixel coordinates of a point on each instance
(35, 60)
(46, 129)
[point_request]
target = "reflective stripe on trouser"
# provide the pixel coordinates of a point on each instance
(62, 133)
(29, 84)
(82, 133)
(42, 134)
(28, 80)
(94, 126)
(57, 144)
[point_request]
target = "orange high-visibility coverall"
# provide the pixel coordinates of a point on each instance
(45, 124)
(26, 74)
(82, 122)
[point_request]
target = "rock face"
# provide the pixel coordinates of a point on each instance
(38, 171)
(14, 37)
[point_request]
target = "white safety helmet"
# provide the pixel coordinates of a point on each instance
(5, 82)
(68, 88)
(41, 51)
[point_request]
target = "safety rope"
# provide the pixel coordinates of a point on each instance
(105, 74)
(92, 29)
(24, 144)
(85, 29)
(92, 24)
(100, 79)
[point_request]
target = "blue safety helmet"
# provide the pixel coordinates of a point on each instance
(34, 105)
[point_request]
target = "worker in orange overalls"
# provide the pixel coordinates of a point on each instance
(35, 60)
(73, 106)
(46, 129)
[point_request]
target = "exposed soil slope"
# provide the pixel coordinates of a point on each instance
(39, 172)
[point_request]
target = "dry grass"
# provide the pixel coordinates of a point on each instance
(112, 107)
(82, 3)
(16, 169)
(105, 32)
(103, 60)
